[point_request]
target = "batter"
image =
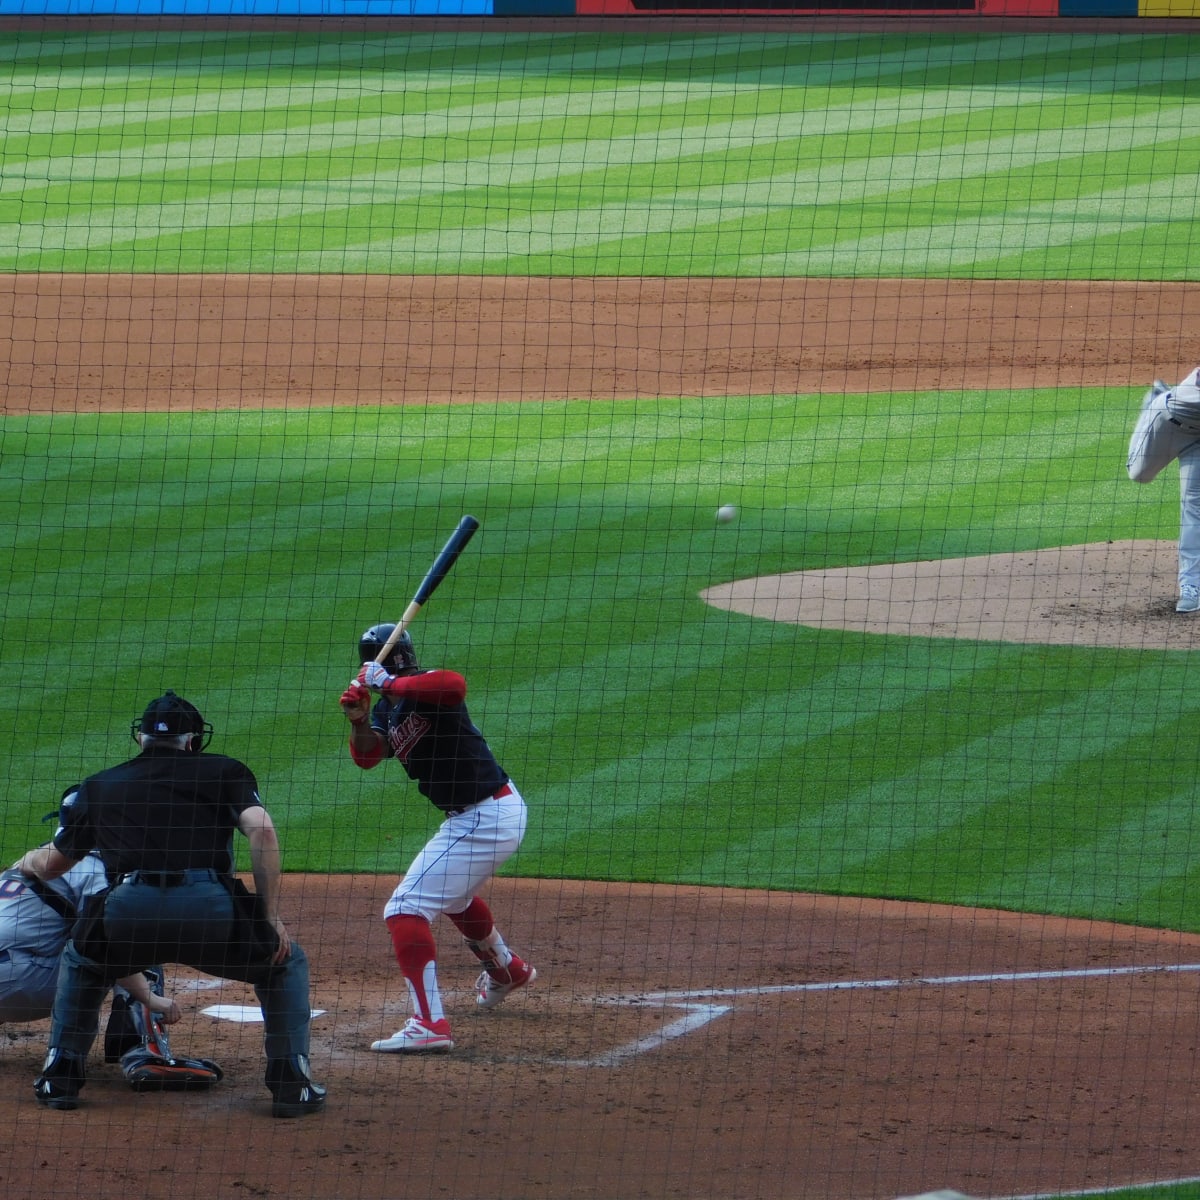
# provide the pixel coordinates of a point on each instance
(421, 720)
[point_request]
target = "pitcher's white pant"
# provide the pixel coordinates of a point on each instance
(1159, 440)
(466, 851)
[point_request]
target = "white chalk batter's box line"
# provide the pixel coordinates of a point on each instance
(702, 1006)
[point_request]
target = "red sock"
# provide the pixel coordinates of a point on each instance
(475, 921)
(412, 940)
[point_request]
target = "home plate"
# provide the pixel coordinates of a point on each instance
(246, 1014)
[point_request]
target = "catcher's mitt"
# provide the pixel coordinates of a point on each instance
(146, 1071)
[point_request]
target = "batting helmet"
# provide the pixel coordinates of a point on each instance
(403, 656)
(172, 716)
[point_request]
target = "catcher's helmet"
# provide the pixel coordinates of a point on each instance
(403, 656)
(172, 716)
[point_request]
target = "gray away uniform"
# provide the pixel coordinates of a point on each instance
(33, 933)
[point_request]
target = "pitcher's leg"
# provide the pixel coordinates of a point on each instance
(1156, 441)
(1189, 529)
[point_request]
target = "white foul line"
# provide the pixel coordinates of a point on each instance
(701, 1010)
(841, 985)
(698, 1016)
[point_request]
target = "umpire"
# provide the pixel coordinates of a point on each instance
(163, 823)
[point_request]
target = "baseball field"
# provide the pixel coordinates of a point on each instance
(840, 886)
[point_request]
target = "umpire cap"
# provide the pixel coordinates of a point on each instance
(172, 716)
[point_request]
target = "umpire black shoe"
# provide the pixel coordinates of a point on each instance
(59, 1083)
(295, 1094)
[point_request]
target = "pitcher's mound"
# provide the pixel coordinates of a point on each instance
(1105, 594)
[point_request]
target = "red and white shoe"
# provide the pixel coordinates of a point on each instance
(417, 1037)
(493, 987)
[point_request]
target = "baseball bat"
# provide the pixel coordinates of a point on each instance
(433, 578)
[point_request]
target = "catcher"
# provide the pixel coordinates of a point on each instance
(1168, 428)
(35, 923)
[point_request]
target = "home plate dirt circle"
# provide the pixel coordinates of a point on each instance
(679, 1041)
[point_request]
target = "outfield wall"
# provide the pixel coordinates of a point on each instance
(625, 8)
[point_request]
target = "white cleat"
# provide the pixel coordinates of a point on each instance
(491, 992)
(417, 1037)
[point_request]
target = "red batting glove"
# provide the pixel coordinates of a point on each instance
(356, 702)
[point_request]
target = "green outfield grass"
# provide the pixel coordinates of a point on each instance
(639, 153)
(237, 556)
(1182, 1191)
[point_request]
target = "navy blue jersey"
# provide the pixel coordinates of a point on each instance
(439, 746)
(165, 810)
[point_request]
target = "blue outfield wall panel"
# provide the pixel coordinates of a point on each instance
(1098, 8)
(241, 8)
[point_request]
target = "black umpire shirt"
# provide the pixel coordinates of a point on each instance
(165, 810)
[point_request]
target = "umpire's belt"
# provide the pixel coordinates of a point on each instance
(506, 790)
(171, 879)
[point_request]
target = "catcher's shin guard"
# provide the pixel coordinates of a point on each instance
(151, 1033)
(119, 1033)
(149, 1066)
(145, 1071)
(130, 1023)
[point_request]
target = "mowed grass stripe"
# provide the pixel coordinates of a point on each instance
(349, 233)
(651, 116)
(653, 713)
(838, 57)
(951, 824)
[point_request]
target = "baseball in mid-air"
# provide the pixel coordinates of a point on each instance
(726, 513)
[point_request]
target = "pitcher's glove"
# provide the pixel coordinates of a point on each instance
(146, 1071)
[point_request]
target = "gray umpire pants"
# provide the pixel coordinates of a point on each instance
(190, 924)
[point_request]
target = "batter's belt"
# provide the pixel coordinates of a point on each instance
(499, 794)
